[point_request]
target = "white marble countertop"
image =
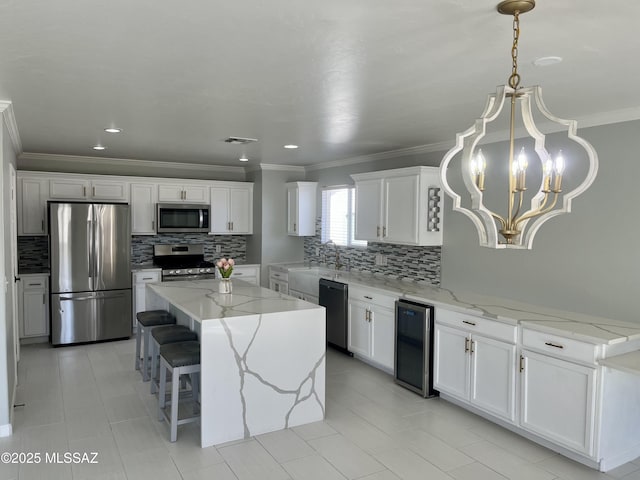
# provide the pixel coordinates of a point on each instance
(629, 362)
(200, 299)
(596, 330)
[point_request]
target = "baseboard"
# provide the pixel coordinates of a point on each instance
(31, 340)
(612, 462)
(6, 430)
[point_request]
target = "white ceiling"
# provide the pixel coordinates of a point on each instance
(340, 78)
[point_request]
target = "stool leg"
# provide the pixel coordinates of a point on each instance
(154, 364)
(162, 391)
(175, 392)
(145, 359)
(195, 388)
(138, 338)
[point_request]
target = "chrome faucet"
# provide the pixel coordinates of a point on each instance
(338, 265)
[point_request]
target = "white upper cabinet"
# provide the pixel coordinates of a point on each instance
(232, 208)
(183, 193)
(144, 197)
(401, 206)
(84, 189)
(32, 205)
(301, 208)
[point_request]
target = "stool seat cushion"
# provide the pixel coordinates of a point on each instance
(173, 334)
(151, 318)
(181, 354)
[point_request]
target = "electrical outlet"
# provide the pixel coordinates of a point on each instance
(217, 248)
(317, 251)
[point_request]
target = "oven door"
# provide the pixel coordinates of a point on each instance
(178, 217)
(176, 278)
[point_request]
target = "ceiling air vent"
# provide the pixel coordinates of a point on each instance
(239, 140)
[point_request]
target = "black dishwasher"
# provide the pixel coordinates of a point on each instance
(334, 297)
(413, 351)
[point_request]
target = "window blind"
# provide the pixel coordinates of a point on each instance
(338, 217)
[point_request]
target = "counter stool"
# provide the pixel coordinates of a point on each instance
(182, 358)
(146, 321)
(164, 335)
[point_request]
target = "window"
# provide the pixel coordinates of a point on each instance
(338, 217)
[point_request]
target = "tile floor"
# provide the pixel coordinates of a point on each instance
(89, 399)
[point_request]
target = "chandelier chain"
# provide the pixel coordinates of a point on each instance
(514, 79)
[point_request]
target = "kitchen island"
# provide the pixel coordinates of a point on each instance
(262, 356)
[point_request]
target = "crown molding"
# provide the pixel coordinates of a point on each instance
(51, 157)
(9, 118)
(402, 152)
(607, 118)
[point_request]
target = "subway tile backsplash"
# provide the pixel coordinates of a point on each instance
(33, 253)
(402, 261)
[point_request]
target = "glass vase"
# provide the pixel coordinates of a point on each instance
(225, 285)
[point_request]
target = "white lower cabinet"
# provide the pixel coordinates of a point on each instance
(33, 306)
(279, 279)
(473, 367)
(304, 296)
(140, 279)
(558, 400)
(248, 273)
(371, 326)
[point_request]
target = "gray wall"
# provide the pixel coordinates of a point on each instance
(254, 242)
(7, 352)
(585, 261)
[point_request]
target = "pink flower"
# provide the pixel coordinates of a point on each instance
(223, 260)
(226, 266)
(232, 262)
(219, 264)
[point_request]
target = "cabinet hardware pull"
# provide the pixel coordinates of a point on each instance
(238, 273)
(377, 231)
(34, 284)
(368, 297)
(521, 363)
(44, 301)
(472, 347)
(93, 191)
(153, 224)
(147, 278)
(232, 226)
(384, 232)
(468, 322)
(555, 345)
(466, 344)
(42, 222)
(84, 191)
(295, 226)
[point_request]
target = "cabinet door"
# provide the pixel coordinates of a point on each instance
(170, 193)
(279, 286)
(400, 210)
(558, 400)
(359, 329)
(73, 189)
(34, 313)
(382, 335)
(196, 194)
(143, 208)
(292, 210)
(368, 225)
(32, 205)
(220, 222)
(451, 361)
(241, 206)
(108, 190)
(493, 371)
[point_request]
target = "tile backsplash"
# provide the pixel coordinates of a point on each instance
(33, 252)
(234, 246)
(402, 261)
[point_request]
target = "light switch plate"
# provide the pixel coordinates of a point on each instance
(217, 248)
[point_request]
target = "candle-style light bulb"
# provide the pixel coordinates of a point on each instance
(559, 165)
(520, 166)
(480, 164)
(547, 171)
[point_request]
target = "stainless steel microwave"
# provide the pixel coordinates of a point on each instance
(183, 218)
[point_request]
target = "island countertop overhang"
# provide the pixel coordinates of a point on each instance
(200, 300)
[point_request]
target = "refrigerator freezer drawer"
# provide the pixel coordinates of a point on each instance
(90, 316)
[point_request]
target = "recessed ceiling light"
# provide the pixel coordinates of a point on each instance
(291, 146)
(113, 130)
(243, 158)
(99, 147)
(546, 61)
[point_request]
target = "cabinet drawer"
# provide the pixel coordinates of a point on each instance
(372, 297)
(34, 283)
(146, 277)
(279, 276)
(560, 346)
(480, 325)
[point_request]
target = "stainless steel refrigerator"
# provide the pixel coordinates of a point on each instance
(90, 252)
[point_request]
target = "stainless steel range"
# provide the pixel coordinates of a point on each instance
(182, 262)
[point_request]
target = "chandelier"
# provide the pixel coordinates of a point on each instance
(517, 227)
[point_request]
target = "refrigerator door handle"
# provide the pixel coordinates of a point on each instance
(91, 297)
(90, 251)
